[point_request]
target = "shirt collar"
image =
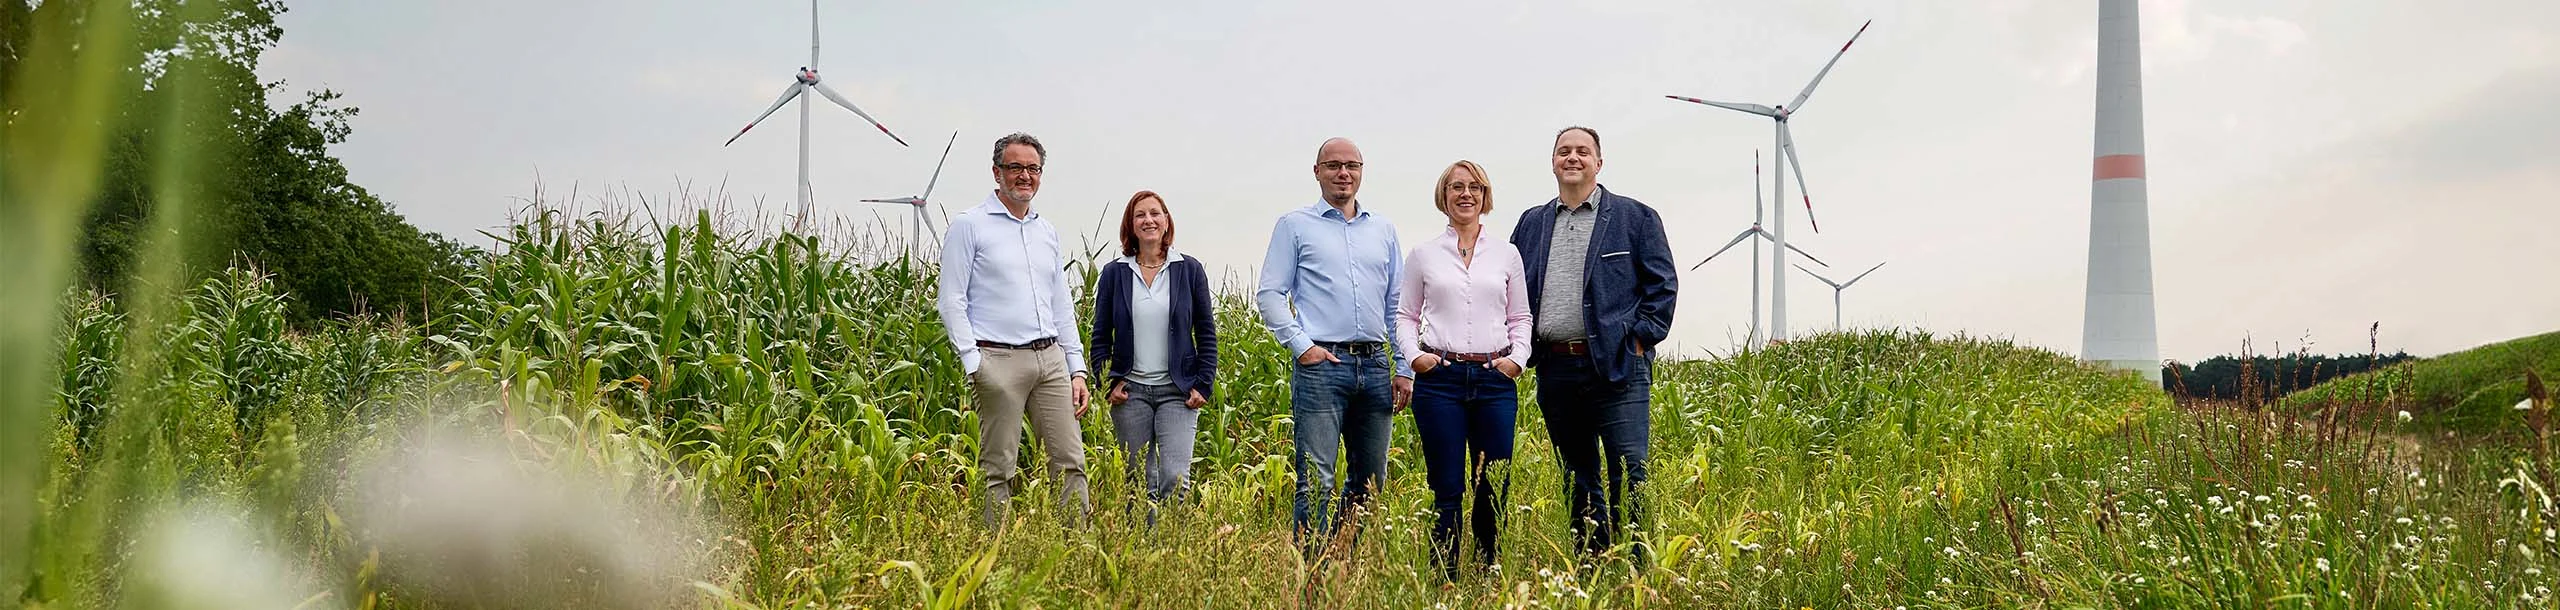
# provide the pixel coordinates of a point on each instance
(1593, 202)
(1325, 209)
(995, 205)
(1170, 255)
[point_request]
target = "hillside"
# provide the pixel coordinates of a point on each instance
(2473, 389)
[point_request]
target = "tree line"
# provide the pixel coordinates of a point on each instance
(2230, 377)
(263, 190)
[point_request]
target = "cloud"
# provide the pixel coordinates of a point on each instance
(2061, 45)
(2502, 127)
(2277, 35)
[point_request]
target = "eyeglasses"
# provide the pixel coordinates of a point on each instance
(1335, 166)
(1017, 168)
(1468, 187)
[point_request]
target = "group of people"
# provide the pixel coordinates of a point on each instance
(1582, 292)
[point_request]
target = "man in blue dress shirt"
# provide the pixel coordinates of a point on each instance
(1328, 292)
(1005, 303)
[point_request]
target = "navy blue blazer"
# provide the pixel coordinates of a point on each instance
(1629, 282)
(1194, 353)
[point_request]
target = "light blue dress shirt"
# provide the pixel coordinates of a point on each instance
(1003, 280)
(1328, 278)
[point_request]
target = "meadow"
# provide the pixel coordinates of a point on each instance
(656, 405)
(664, 410)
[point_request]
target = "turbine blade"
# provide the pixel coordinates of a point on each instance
(1818, 276)
(787, 94)
(1750, 108)
(937, 173)
(1746, 234)
(1863, 275)
(813, 34)
(924, 221)
(1789, 139)
(840, 101)
(900, 200)
(1764, 236)
(1755, 185)
(1798, 105)
(1807, 255)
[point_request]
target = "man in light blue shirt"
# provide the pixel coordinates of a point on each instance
(1005, 303)
(1328, 292)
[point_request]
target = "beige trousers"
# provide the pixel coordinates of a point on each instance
(1012, 386)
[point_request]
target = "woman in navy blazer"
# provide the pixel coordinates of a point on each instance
(1155, 337)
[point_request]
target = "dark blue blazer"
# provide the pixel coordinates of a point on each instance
(1629, 282)
(1194, 353)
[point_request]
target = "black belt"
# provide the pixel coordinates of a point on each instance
(1566, 348)
(1035, 344)
(1355, 348)
(1469, 358)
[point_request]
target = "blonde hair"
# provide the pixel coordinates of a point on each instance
(1440, 188)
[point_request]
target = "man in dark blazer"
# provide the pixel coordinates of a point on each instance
(1602, 286)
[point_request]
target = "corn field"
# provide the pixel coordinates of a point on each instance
(632, 412)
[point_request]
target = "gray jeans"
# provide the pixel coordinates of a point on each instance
(1018, 385)
(1157, 430)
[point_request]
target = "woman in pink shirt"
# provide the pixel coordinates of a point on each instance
(1463, 321)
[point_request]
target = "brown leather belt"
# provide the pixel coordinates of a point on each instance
(1567, 348)
(1035, 344)
(1469, 358)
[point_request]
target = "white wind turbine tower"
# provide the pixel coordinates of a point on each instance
(1786, 157)
(915, 233)
(2119, 327)
(804, 82)
(1754, 231)
(1837, 288)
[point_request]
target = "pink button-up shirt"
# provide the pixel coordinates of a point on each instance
(1458, 307)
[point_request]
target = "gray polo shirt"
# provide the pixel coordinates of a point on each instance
(1561, 306)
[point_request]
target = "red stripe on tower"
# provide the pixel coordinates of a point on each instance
(2111, 167)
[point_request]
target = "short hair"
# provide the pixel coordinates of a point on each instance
(1129, 229)
(1440, 189)
(1018, 138)
(1595, 136)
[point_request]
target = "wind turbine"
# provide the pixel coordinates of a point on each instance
(1754, 231)
(1786, 156)
(1837, 288)
(915, 234)
(804, 82)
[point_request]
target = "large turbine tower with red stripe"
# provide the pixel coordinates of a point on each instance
(2119, 329)
(803, 84)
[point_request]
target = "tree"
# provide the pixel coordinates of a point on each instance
(268, 191)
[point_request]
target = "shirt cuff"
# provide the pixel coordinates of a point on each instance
(969, 361)
(1299, 345)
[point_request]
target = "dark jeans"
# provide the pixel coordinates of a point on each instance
(1342, 406)
(1596, 423)
(1459, 406)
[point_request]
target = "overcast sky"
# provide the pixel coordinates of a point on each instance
(2314, 166)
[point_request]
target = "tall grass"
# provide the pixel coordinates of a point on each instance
(636, 411)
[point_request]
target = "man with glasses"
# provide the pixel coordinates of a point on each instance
(1328, 292)
(1601, 289)
(1004, 300)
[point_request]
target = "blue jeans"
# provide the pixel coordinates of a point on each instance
(1347, 406)
(1458, 407)
(1594, 422)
